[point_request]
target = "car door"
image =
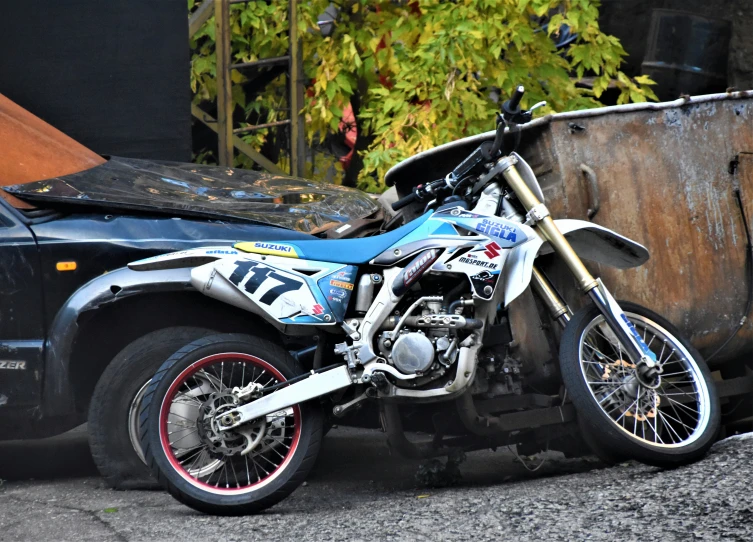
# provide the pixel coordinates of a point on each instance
(21, 313)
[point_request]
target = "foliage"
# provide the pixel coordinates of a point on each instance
(259, 30)
(425, 72)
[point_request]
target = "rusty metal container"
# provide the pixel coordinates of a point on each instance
(662, 174)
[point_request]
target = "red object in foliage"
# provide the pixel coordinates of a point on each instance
(348, 127)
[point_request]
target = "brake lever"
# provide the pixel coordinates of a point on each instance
(522, 116)
(537, 105)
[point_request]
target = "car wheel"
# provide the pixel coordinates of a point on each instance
(113, 412)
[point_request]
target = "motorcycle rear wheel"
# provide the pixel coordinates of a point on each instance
(667, 426)
(205, 468)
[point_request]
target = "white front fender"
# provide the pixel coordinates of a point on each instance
(590, 241)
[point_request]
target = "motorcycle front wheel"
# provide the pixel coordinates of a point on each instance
(666, 421)
(235, 472)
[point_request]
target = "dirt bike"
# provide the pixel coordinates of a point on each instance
(231, 424)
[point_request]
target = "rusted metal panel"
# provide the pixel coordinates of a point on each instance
(663, 178)
(34, 150)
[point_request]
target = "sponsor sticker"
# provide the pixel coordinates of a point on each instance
(341, 284)
(492, 228)
(419, 265)
(479, 263)
(221, 251)
(272, 249)
(336, 292)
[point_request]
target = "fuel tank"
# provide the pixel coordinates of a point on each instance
(665, 175)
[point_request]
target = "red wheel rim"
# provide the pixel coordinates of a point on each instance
(227, 478)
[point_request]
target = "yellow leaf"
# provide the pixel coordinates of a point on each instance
(644, 80)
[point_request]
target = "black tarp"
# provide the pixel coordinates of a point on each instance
(112, 74)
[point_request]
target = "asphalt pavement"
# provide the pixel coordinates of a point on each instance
(359, 492)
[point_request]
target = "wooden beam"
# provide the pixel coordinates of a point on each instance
(200, 16)
(241, 145)
(295, 93)
(224, 83)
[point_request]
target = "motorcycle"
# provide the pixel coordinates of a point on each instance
(232, 423)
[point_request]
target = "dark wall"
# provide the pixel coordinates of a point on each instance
(630, 21)
(112, 74)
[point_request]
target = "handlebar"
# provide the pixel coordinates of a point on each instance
(420, 192)
(512, 114)
(516, 97)
(404, 201)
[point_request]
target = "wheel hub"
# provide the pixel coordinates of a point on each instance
(229, 442)
(648, 375)
(635, 396)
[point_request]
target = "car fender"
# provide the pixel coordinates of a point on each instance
(105, 289)
(590, 241)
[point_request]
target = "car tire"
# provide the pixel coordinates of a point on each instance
(110, 439)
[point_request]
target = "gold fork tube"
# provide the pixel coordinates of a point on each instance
(549, 231)
(556, 305)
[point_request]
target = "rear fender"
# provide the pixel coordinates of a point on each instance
(590, 241)
(184, 258)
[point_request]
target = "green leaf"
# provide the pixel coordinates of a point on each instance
(344, 83)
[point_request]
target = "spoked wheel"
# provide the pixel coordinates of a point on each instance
(239, 471)
(666, 419)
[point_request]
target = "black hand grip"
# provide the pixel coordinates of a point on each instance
(516, 97)
(402, 202)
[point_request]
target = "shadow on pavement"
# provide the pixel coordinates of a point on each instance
(63, 456)
(353, 456)
(350, 457)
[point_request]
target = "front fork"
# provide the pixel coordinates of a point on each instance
(633, 344)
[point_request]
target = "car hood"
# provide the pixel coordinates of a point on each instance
(180, 189)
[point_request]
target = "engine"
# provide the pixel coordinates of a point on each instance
(424, 340)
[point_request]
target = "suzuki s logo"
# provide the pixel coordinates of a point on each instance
(492, 250)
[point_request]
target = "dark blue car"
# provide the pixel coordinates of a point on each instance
(80, 334)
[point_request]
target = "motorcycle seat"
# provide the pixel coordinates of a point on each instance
(348, 251)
